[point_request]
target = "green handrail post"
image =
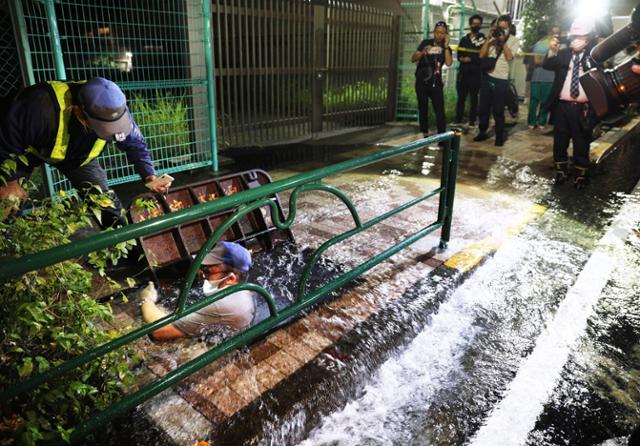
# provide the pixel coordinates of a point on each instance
(451, 189)
(58, 62)
(211, 97)
(425, 20)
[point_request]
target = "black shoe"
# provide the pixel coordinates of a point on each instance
(561, 177)
(580, 182)
(499, 142)
(481, 137)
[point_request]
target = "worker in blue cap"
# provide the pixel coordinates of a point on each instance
(67, 125)
(225, 265)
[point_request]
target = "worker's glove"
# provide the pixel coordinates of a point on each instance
(148, 294)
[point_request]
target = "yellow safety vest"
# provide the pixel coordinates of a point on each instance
(58, 152)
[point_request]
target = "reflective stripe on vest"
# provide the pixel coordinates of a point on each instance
(59, 151)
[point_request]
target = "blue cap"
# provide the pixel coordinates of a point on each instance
(230, 253)
(105, 107)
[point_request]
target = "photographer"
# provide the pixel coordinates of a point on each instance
(574, 119)
(496, 56)
(431, 55)
(469, 72)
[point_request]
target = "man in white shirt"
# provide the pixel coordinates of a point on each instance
(574, 119)
(501, 46)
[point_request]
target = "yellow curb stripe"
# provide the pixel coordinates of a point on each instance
(469, 257)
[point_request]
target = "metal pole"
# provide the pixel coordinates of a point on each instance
(425, 20)
(58, 61)
(54, 36)
(211, 96)
(451, 189)
(319, 64)
(24, 50)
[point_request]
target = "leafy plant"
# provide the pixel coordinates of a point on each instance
(164, 121)
(47, 317)
(538, 16)
(356, 95)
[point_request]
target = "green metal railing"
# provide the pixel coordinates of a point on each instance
(244, 203)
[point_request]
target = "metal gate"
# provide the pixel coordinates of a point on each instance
(289, 69)
(157, 53)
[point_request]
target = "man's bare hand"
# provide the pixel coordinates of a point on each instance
(161, 189)
(13, 188)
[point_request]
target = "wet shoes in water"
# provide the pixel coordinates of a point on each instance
(562, 172)
(579, 182)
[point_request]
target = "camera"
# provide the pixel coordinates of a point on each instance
(610, 91)
(498, 32)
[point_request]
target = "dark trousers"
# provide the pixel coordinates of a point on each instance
(468, 84)
(492, 99)
(84, 178)
(424, 92)
(571, 125)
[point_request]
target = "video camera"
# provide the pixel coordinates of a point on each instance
(610, 91)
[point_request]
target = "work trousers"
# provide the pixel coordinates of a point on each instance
(493, 93)
(424, 92)
(571, 125)
(539, 95)
(468, 84)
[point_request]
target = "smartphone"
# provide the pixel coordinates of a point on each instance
(162, 180)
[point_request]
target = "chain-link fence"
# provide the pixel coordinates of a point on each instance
(155, 51)
(10, 76)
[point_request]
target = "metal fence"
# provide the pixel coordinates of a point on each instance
(414, 27)
(155, 51)
(361, 51)
(288, 69)
(10, 76)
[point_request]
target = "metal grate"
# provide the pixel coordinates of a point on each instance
(359, 42)
(155, 51)
(263, 58)
(269, 55)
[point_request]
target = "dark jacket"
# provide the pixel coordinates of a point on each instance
(560, 65)
(31, 120)
(471, 68)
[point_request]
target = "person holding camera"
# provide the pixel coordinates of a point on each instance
(574, 119)
(496, 56)
(431, 56)
(469, 72)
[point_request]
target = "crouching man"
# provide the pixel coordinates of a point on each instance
(226, 265)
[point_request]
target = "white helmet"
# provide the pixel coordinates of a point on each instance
(582, 26)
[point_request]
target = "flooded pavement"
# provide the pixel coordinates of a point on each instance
(442, 387)
(410, 356)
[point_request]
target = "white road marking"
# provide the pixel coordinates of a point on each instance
(510, 422)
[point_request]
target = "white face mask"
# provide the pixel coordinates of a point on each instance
(216, 282)
(578, 44)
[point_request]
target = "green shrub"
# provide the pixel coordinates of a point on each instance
(47, 317)
(360, 94)
(164, 121)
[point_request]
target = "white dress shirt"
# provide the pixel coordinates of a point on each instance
(565, 93)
